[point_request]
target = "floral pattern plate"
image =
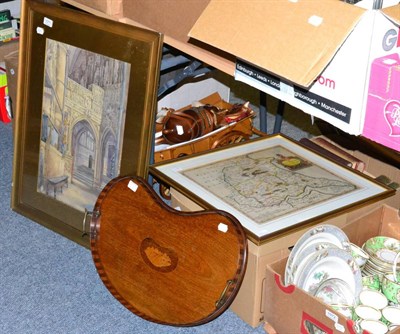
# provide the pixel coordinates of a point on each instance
(330, 263)
(301, 260)
(322, 234)
(383, 249)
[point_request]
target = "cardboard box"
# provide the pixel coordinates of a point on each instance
(162, 16)
(8, 47)
(105, 8)
(249, 303)
(288, 308)
(310, 61)
(375, 168)
(299, 54)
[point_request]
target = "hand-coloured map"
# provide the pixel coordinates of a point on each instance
(269, 183)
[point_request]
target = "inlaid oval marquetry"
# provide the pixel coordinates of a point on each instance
(158, 258)
(166, 266)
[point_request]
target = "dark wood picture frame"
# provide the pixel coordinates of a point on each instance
(87, 86)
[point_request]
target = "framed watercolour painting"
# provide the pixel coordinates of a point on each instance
(271, 184)
(85, 111)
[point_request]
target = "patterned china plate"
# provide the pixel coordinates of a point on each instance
(301, 260)
(330, 263)
(335, 291)
(367, 270)
(383, 249)
(322, 234)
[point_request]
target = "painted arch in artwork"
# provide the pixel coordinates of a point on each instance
(84, 153)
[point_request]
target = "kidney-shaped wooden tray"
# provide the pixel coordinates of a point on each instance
(170, 267)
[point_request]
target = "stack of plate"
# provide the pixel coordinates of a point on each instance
(382, 253)
(321, 254)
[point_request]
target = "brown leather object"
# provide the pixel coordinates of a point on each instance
(170, 267)
(182, 126)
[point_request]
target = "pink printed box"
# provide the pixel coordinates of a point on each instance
(382, 115)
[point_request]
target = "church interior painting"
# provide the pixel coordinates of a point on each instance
(83, 116)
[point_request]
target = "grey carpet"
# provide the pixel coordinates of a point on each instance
(49, 284)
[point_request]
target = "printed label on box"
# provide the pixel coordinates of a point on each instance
(327, 106)
(258, 75)
(266, 82)
(382, 118)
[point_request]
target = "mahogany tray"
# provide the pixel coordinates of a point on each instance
(166, 266)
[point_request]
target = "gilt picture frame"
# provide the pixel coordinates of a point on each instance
(271, 184)
(87, 94)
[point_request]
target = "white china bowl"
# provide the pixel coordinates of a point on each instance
(392, 314)
(367, 312)
(373, 298)
(374, 326)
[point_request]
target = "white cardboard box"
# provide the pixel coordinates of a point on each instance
(301, 53)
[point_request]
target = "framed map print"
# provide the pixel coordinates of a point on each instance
(87, 96)
(270, 184)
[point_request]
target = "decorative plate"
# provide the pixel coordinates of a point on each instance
(330, 263)
(314, 237)
(382, 248)
(301, 259)
(335, 291)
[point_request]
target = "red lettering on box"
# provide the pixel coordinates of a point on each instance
(328, 83)
(286, 289)
(350, 327)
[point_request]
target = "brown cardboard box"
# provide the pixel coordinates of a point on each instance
(162, 16)
(298, 53)
(339, 74)
(295, 52)
(288, 308)
(375, 168)
(112, 8)
(249, 303)
(7, 48)
(297, 49)
(219, 27)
